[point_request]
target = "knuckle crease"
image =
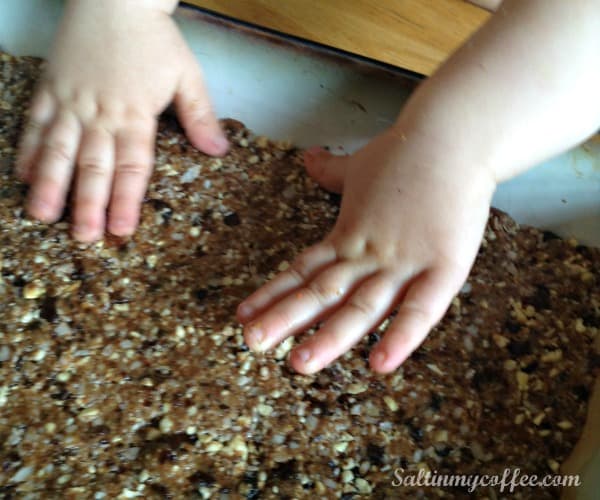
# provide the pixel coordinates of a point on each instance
(59, 150)
(131, 168)
(363, 308)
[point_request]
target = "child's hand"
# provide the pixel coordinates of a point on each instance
(415, 200)
(408, 232)
(115, 66)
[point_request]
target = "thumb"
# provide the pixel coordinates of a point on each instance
(196, 114)
(326, 169)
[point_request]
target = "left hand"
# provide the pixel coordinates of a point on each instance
(409, 228)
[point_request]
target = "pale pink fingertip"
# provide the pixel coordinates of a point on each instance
(220, 145)
(244, 312)
(377, 361)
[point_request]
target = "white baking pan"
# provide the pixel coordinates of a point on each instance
(290, 91)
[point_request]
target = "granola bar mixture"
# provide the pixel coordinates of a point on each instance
(123, 373)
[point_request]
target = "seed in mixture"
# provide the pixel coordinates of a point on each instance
(166, 425)
(34, 290)
(391, 403)
(151, 261)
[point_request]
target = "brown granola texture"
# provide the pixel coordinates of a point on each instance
(124, 374)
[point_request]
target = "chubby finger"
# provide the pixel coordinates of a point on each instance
(326, 169)
(41, 113)
(361, 312)
(302, 269)
(305, 305)
(424, 305)
(52, 176)
(133, 166)
(196, 114)
(94, 179)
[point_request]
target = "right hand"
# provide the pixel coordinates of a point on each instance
(115, 66)
(411, 221)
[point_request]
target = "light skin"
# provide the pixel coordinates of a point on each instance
(114, 67)
(415, 200)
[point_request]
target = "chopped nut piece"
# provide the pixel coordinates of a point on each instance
(88, 414)
(146, 382)
(34, 290)
(554, 465)
(39, 355)
(261, 141)
(238, 446)
(64, 479)
(456, 303)
(434, 368)
(552, 356)
(165, 425)
(286, 346)
(587, 277)
(441, 436)
(500, 340)
(151, 261)
(214, 447)
(356, 388)
(264, 410)
(522, 380)
(391, 403)
(340, 447)
(565, 424)
(347, 476)
(283, 145)
(579, 326)
(362, 486)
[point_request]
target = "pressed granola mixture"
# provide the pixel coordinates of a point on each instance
(124, 374)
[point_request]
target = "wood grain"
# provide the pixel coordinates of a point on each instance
(412, 34)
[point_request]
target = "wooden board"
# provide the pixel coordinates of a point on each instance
(412, 34)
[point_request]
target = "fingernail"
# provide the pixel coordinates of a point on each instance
(41, 208)
(221, 144)
(378, 359)
(303, 354)
(244, 311)
(256, 337)
(81, 232)
(119, 224)
(120, 227)
(305, 357)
